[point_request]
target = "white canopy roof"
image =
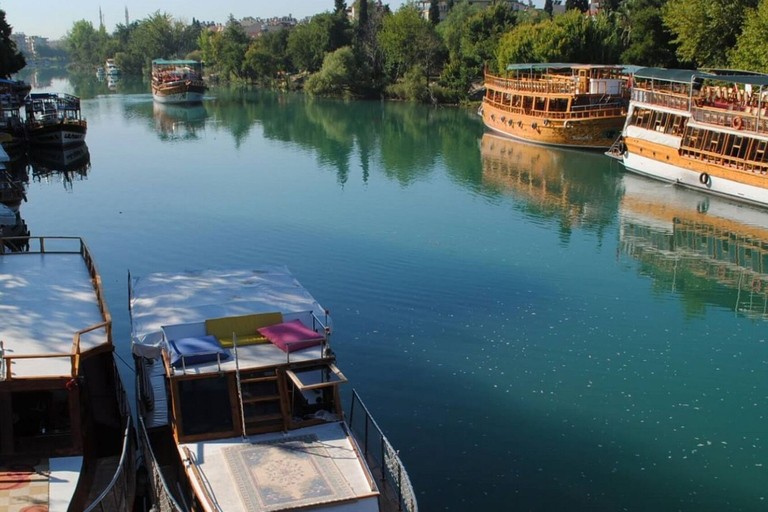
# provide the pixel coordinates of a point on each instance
(165, 299)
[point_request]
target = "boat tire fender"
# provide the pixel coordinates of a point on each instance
(705, 179)
(737, 122)
(534, 126)
(567, 124)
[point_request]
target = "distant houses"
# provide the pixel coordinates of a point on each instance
(256, 27)
(423, 6)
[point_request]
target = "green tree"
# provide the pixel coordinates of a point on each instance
(751, 52)
(337, 76)
(705, 30)
(434, 12)
(310, 41)
(548, 7)
(267, 56)
(646, 41)
(234, 44)
(339, 7)
(407, 39)
(11, 59)
(82, 45)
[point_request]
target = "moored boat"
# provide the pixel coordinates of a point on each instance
(12, 135)
(54, 119)
(570, 105)
(177, 81)
(238, 400)
(705, 130)
(19, 88)
(67, 441)
(111, 68)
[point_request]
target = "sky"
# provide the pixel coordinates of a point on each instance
(53, 18)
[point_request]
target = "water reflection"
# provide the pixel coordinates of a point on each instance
(707, 249)
(179, 122)
(574, 188)
(13, 180)
(62, 164)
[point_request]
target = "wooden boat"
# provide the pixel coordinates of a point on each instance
(703, 130)
(571, 105)
(54, 119)
(238, 400)
(19, 88)
(177, 81)
(12, 136)
(67, 440)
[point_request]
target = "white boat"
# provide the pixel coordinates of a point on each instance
(100, 73)
(702, 130)
(238, 400)
(111, 68)
(54, 119)
(177, 81)
(67, 439)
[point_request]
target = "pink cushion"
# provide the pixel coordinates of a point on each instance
(290, 336)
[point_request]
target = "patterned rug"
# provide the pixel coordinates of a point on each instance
(24, 486)
(285, 473)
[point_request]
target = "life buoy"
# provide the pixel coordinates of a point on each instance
(736, 122)
(567, 124)
(705, 179)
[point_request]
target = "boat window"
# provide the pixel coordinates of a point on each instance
(205, 406)
(41, 421)
(313, 391)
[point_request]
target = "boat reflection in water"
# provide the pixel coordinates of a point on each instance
(570, 187)
(707, 249)
(179, 122)
(69, 164)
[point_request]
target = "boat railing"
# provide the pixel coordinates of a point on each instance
(201, 482)
(37, 245)
(121, 488)
(664, 99)
(164, 500)
(599, 110)
(551, 86)
(376, 448)
(747, 119)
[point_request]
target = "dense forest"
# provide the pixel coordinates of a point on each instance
(404, 55)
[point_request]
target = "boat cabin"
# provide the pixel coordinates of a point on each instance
(52, 108)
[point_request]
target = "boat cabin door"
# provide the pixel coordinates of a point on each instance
(583, 81)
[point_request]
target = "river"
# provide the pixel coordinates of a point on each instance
(533, 329)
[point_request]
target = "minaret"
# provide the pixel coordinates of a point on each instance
(126, 15)
(101, 19)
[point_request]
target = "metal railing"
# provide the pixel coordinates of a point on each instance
(376, 446)
(74, 355)
(121, 489)
(162, 497)
(561, 86)
(664, 99)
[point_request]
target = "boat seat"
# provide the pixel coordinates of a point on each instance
(245, 327)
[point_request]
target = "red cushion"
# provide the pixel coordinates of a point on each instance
(290, 336)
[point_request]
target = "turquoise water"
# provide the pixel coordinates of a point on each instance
(532, 328)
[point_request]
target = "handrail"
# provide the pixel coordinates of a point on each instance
(76, 344)
(201, 480)
(120, 468)
(392, 468)
(170, 503)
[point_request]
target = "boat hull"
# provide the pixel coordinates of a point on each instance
(694, 174)
(592, 133)
(58, 134)
(182, 93)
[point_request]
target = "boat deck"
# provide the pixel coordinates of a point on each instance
(44, 300)
(311, 467)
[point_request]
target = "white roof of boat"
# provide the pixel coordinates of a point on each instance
(45, 298)
(168, 298)
(233, 469)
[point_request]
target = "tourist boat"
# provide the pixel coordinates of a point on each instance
(238, 400)
(111, 68)
(17, 87)
(177, 81)
(703, 130)
(54, 119)
(12, 136)
(571, 105)
(67, 439)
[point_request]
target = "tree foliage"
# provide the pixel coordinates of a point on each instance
(407, 40)
(705, 30)
(11, 59)
(646, 40)
(751, 50)
(337, 77)
(310, 41)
